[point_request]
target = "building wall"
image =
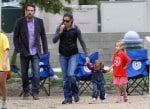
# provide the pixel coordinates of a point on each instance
(123, 16)
(84, 16)
(147, 44)
(104, 43)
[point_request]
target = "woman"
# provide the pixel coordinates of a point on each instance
(67, 33)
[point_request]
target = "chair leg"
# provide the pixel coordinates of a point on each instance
(21, 93)
(141, 83)
(44, 88)
(83, 85)
(49, 86)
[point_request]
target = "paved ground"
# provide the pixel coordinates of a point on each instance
(54, 102)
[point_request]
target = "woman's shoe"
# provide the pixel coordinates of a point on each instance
(66, 102)
(76, 99)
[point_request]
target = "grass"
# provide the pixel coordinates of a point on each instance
(58, 83)
(109, 80)
(14, 78)
(108, 77)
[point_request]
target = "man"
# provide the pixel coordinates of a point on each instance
(27, 34)
(67, 33)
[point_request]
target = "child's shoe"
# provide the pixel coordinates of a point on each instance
(94, 100)
(4, 105)
(119, 100)
(125, 97)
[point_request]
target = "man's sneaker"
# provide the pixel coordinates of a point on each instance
(94, 100)
(103, 101)
(66, 102)
(4, 105)
(76, 99)
(35, 97)
(26, 96)
(105, 95)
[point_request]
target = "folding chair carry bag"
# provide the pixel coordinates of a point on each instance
(137, 71)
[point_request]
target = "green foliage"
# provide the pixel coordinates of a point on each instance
(88, 2)
(53, 6)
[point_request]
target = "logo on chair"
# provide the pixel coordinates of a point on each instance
(117, 61)
(41, 69)
(86, 69)
(136, 65)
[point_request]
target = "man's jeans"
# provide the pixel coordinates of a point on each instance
(98, 90)
(68, 66)
(25, 62)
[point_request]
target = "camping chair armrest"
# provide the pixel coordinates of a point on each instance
(148, 62)
(82, 65)
(148, 65)
(45, 67)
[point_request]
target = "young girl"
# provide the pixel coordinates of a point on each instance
(4, 67)
(98, 80)
(120, 64)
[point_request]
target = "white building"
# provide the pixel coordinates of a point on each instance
(123, 16)
(116, 16)
(84, 16)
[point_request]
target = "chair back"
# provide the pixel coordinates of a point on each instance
(137, 67)
(15, 69)
(45, 68)
(82, 72)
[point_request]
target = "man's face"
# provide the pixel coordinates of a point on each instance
(30, 11)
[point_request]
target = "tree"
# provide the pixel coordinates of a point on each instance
(53, 6)
(89, 2)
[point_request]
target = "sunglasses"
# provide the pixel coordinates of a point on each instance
(66, 21)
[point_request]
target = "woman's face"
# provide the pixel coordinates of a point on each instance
(67, 22)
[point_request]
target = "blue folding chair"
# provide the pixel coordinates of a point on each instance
(46, 72)
(83, 74)
(138, 79)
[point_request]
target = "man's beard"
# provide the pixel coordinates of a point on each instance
(30, 16)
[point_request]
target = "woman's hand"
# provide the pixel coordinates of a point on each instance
(61, 28)
(87, 60)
